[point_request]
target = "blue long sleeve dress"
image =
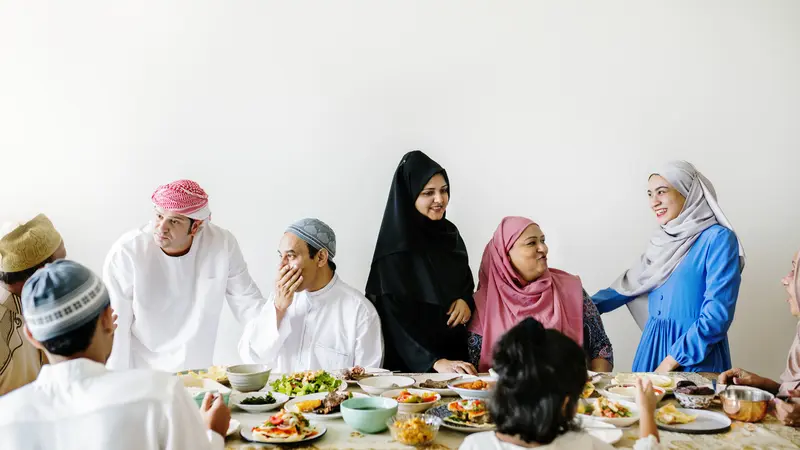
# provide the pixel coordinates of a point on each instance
(691, 312)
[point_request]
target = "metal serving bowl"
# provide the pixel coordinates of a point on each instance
(745, 404)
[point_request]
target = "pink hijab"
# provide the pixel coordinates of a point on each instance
(790, 379)
(504, 299)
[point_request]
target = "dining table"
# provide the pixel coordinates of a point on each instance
(767, 434)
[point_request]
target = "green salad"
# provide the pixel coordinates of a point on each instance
(303, 383)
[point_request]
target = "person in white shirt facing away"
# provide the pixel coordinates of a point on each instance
(541, 374)
(76, 403)
(313, 320)
(167, 282)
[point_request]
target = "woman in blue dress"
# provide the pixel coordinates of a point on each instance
(683, 290)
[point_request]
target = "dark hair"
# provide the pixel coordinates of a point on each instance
(538, 369)
(9, 278)
(75, 341)
(191, 222)
(313, 253)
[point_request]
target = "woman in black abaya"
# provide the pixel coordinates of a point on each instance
(420, 281)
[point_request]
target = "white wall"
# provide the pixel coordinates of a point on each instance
(554, 110)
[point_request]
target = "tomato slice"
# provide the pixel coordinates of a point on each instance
(275, 420)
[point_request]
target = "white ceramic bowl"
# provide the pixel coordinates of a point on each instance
(412, 407)
(472, 393)
(379, 385)
(248, 377)
(619, 422)
(627, 393)
(280, 399)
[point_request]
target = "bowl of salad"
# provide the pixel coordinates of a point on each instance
(305, 383)
(619, 414)
(413, 400)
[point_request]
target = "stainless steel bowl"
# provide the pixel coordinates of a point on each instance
(745, 404)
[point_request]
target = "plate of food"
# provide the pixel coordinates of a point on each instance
(437, 382)
(691, 421)
(282, 428)
(258, 402)
(215, 373)
(665, 382)
(413, 400)
(358, 373)
(466, 416)
(321, 406)
(473, 387)
(304, 383)
(619, 414)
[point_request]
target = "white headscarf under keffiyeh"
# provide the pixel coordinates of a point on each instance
(672, 241)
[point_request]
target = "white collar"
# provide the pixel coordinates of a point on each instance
(67, 372)
(326, 289)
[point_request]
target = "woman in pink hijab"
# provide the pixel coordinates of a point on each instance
(515, 283)
(787, 405)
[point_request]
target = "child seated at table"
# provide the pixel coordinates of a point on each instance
(541, 377)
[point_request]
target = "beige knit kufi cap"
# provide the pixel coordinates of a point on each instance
(27, 245)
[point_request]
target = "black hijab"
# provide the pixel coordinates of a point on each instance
(415, 257)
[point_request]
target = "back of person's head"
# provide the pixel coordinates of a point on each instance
(62, 303)
(541, 376)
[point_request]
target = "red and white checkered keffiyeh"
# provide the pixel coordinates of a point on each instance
(184, 197)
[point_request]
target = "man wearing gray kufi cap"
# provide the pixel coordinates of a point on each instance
(76, 402)
(313, 320)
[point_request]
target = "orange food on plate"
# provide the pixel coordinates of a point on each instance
(477, 385)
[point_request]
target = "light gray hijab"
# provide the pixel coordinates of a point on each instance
(672, 241)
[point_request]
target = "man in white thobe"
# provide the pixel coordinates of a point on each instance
(167, 282)
(313, 320)
(76, 403)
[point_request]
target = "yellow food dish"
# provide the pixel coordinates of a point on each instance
(308, 405)
(216, 373)
(588, 389)
(669, 415)
(412, 431)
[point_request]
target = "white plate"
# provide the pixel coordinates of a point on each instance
(291, 406)
(437, 377)
(443, 413)
(368, 370)
(247, 434)
(707, 422)
(601, 430)
(594, 377)
(237, 398)
(620, 422)
(233, 427)
(663, 381)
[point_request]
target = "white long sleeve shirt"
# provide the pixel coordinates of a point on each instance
(79, 404)
(169, 307)
(335, 327)
(568, 441)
